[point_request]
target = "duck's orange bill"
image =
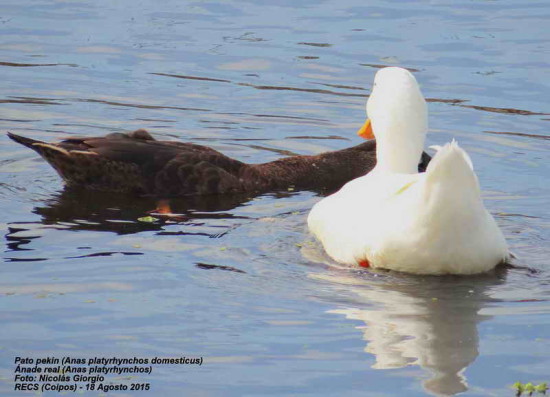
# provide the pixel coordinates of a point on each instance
(366, 130)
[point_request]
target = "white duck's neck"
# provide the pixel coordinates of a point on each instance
(399, 120)
(399, 147)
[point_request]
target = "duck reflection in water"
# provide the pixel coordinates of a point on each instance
(81, 209)
(424, 321)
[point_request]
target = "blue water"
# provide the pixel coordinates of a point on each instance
(239, 281)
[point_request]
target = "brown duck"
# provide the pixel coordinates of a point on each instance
(136, 163)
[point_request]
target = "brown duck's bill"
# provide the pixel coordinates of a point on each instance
(366, 130)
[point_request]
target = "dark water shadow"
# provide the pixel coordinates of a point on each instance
(78, 209)
(520, 134)
(85, 210)
(81, 209)
(210, 217)
(27, 65)
(452, 102)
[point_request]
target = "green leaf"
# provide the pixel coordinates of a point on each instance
(542, 388)
(518, 386)
(529, 387)
(148, 219)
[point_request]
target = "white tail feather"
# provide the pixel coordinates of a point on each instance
(451, 161)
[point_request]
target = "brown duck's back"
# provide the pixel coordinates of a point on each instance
(137, 163)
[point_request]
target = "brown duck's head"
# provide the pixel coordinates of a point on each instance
(424, 161)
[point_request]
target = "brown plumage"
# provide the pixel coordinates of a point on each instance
(137, 163)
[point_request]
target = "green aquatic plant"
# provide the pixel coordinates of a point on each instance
(148, 219)
(529, 388)
(542, 388)
(518, 386)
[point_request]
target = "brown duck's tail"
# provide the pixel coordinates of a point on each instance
(28, 142)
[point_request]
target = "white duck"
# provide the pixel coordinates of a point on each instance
(396, 218)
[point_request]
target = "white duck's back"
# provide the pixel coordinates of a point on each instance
(430, 223)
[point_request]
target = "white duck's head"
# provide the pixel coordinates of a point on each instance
(398, 118)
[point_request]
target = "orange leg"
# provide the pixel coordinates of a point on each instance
(163, 211)
(364, 263)
(163, 207)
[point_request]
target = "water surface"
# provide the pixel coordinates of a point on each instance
(238, 280)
